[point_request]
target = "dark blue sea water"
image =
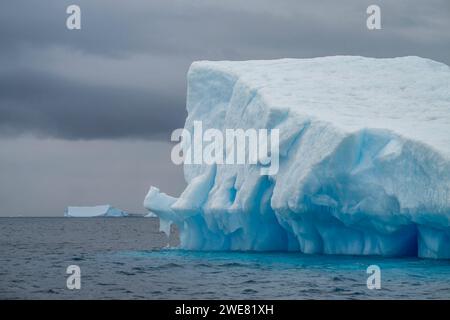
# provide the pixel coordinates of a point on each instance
(128, 258)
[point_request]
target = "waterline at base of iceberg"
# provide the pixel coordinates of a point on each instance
(223, 231)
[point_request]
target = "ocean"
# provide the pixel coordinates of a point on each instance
(128, 258)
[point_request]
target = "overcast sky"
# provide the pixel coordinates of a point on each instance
(86, 115)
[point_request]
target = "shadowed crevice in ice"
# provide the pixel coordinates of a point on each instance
(364, 167)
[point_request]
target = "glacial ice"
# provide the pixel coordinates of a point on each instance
(150, 215)
(364, 158)
(94, 211)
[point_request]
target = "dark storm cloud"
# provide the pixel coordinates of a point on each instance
(69, 109)
(123, 74)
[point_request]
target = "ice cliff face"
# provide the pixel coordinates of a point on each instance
(364, 158)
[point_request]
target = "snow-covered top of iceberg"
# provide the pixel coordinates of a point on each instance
(94, 211)
(408, 95)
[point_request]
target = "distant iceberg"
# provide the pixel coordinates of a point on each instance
(150, 215)
(364, 164)
(95, 211)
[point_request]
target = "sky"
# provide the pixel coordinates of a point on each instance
(86, 115)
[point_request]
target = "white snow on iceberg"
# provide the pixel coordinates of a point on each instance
(364, 158)
(95, 211)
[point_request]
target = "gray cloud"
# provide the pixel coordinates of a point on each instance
(69, 109)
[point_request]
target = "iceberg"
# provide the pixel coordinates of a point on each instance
(150, 215)
(364, 158)
(95, 211)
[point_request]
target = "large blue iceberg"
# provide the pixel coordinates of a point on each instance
(364, 163)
